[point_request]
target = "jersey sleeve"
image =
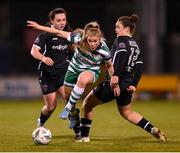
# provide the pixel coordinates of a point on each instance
(40, 40)
(105, 51)
(120, 56)
(74, 37)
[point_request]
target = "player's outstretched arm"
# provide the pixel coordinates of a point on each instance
(60, 33)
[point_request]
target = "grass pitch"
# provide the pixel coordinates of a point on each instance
(109, 132)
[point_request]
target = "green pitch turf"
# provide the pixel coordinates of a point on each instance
(109, 132)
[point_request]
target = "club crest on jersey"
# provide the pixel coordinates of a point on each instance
(97, 57)
(122, 45)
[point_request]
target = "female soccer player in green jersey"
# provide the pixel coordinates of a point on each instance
(84, 68)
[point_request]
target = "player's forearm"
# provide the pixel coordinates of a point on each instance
(57, 32)
(110, 68)
(36, 54)
(60, 33)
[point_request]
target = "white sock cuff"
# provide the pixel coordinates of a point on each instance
(78, 89)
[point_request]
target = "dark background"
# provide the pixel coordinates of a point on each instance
(158, 30)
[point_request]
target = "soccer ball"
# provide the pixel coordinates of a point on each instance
(41, 135)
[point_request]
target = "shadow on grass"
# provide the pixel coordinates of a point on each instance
(63, 137)
(118, 139)
(137, 139)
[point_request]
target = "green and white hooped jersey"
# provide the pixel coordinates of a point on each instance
(85, 61)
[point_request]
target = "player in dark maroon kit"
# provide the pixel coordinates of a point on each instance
(52, 52)
(128, 62)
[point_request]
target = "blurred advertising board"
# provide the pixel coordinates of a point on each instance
(19, 87)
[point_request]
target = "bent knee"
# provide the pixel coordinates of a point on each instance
(125, 113)
(84, 80)
(51, 109)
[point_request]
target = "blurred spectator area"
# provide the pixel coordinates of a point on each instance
(160, 85)
(16, 39)
(158, 34)
(150, 86)
(158, 30)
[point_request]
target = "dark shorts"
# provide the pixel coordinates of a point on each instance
(51, 82)
(104, 93)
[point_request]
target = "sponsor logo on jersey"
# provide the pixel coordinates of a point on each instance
(60, 47)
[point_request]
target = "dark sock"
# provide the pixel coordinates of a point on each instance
(75, 112)
(77, 130)
(43, 118)
(85, 127)
(146, 125)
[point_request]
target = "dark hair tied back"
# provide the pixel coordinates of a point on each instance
(129, 21)
(134, 18)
